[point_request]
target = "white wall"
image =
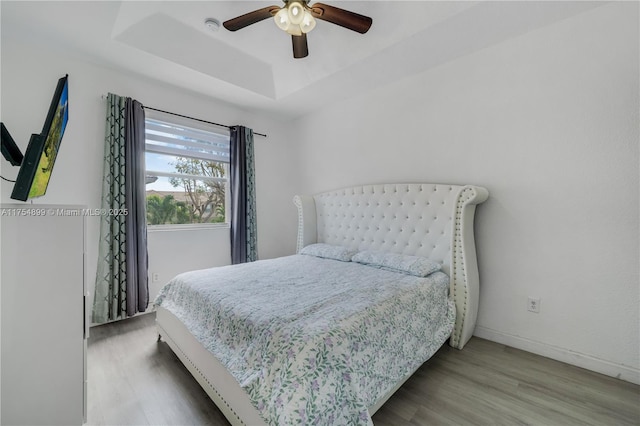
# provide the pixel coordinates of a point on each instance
(28, 79)
(548, 122)
(174, 251)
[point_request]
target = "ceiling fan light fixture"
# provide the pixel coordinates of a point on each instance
(308, 22)
(294, 19)
(296, 12)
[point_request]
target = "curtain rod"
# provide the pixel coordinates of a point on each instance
(197, 119)
(192, 118)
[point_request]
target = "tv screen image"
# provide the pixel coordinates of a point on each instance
(42, 151)
(51, 147)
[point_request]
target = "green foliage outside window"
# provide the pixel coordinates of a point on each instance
(160, 210)
(204, 199)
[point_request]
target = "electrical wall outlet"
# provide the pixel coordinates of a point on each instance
(533, 304)
(155, 277)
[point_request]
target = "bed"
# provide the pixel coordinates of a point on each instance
(383, 276)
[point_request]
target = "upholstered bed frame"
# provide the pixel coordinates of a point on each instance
(430, 220)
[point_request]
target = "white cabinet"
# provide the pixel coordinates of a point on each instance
(43, 315)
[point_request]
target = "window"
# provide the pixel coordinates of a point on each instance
(187, 165)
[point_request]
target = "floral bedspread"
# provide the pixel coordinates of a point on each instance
(310, 350)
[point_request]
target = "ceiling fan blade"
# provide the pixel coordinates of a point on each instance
(247, 19)
(300, 47)
(344, 18)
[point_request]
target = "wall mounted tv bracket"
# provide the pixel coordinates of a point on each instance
(10, 150)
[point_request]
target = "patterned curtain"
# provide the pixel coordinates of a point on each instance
(121, 278)
(244, 243)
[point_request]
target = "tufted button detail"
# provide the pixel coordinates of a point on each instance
(373, 216)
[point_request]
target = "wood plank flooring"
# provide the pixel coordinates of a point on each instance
(134, 380)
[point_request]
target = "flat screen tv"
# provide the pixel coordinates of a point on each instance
(40, 156)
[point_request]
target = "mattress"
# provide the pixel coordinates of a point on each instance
(312, 339)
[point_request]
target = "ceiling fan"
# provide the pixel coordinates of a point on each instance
(297, 18)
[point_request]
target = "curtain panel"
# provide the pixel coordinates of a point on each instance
(121, 287)
(244, 243)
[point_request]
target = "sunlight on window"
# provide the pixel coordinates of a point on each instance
(186, 183)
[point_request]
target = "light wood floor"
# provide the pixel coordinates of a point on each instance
(133, 380)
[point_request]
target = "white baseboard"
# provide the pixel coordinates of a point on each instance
(622, 372)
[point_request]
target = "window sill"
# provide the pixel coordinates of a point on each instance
(187, 227)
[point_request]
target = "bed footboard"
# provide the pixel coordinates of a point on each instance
(214, 378)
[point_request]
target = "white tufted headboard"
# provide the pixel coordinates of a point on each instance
(430, 220)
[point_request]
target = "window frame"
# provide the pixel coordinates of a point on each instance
(201, 128)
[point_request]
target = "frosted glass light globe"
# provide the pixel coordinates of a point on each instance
(282, 19)
(308, 22)
(296, 12)
(294, 30)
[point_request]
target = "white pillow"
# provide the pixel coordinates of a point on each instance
(412, 265)
(329, 251)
